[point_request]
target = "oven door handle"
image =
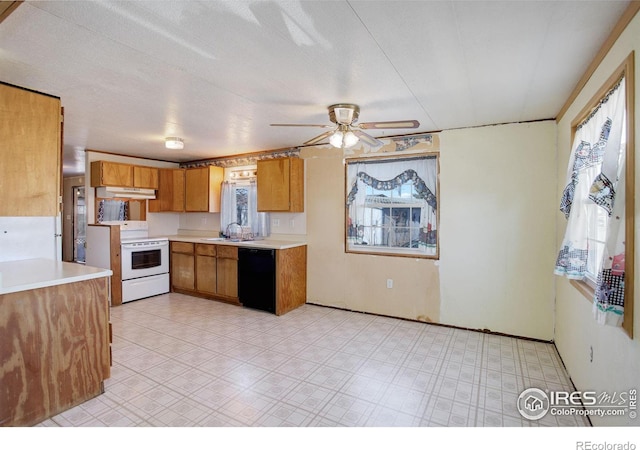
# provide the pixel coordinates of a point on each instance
(145, 247)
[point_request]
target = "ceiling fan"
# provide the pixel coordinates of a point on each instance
(345, 133)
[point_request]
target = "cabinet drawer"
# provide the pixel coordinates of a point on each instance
(229, 252)
(182, 247)
(205, 249)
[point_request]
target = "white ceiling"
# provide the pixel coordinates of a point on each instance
(217, 73)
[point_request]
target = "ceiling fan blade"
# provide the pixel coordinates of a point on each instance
(319, 138)
(389, 125)
(364, 137)
(300, 125)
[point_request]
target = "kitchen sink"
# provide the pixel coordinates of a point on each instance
(227, 239)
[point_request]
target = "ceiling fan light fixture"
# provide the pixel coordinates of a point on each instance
(349, 139)
(336, 139)
(343, 138)
(174, 143)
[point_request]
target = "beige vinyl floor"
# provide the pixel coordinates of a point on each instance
(180, 361)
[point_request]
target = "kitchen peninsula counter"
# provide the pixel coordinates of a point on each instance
(23, 275)
(54, 320)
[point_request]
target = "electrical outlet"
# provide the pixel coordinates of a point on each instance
(292, 223)
(389, 283)
(276, 222)
(591, 353)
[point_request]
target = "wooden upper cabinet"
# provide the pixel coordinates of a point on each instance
(170, 193)
(31, 134)
(202, 189)
(145, 177)
(281, 185)
(107, 173)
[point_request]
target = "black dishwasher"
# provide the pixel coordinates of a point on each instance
(257, 278)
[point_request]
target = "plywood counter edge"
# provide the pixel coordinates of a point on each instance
(27, 274)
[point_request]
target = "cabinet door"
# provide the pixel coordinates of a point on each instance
(273, 185)
(206, 268)
(145, 177)
(202, 189)
(182, 271)
(227, 277)
(30, 132)
(281, 185)
(227, 271)
(170, 193)
(106, 173)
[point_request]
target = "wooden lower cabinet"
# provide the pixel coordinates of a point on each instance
(228, 271)
(55, 349)
(182, 266)
(211, 271)
(205, 270)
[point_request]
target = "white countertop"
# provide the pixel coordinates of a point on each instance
(258, 243)
(17, 276)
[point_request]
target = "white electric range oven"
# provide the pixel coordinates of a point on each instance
(145, 261)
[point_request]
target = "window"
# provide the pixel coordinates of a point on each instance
(238, 211)
(598, 202)
(392, 206)
(242, 205)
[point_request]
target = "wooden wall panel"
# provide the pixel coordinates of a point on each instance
(55, 350)
(30, 130)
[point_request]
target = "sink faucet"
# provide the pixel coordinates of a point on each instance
(226, 232)
(244, 234)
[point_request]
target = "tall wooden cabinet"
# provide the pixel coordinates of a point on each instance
(31, 136)
(281, 185)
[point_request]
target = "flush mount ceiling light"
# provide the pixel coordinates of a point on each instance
(174, 143)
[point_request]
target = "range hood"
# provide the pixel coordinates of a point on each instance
(125, 192)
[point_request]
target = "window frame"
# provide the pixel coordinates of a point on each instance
(393, 251)
(587, 287)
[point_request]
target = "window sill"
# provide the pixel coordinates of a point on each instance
(584, 288)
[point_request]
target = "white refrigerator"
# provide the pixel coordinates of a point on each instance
(30, 237)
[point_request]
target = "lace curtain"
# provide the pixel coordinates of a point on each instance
(258, 221)
(383, 177)
(595, 176)
(109, 210)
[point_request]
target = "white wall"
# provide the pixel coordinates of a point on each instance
(497, 222)
(497, 237)
(616, 357)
